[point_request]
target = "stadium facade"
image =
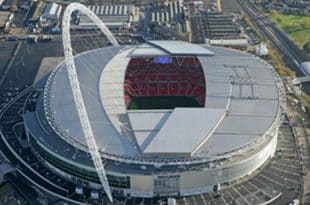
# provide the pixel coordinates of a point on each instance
(169, 118)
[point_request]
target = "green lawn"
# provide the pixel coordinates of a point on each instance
(161, 102)
(297, 27)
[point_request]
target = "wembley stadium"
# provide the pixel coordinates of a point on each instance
(169, 118)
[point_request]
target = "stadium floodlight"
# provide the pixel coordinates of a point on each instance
(76, 90)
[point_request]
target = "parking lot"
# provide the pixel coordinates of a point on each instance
(10, 196)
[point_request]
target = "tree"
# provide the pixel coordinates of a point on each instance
(14, 8)
(273, 12)
(304, 24)
(306, 47)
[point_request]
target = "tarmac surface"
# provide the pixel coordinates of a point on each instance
(230, 6)
(10, 196)
(27, 61)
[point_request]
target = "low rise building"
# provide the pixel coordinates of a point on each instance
(50, 15)
(6, 18)
(114, 16)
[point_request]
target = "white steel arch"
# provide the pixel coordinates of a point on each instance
(76, 90)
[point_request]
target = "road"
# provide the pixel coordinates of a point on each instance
(292, 55)
(300, 121)
(6, 70)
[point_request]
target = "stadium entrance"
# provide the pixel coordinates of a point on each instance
(166, 185)
(164, 82)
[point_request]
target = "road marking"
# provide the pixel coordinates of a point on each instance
(224, 200)
(184, 199)
(285, 178)
(250, 192)
(244, 199)
(203, 199)
(284, 171)
(271, 180)
(261, 190)
(229, 194)
(7, 69)
(194, 200)
(282, 166)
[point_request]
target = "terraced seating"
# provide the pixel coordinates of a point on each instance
(182, 77)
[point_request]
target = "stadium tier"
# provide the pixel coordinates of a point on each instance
(176, 76)
(170, 119)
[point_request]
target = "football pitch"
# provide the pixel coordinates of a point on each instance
(162, 102)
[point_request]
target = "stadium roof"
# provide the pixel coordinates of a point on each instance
(184, 131)
(147, 50)
(181, 48)
(161, 48)
(238, 84)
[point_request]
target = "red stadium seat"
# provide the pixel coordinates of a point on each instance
(182, 77)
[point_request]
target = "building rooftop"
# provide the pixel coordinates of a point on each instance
(50, 9)
(181, 48)
(147, 50)
(185, 130)
(242, 102)
(4, 16)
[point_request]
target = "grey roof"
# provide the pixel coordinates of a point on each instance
(233, 78)
(111, 10)
(146, 124)
(111, 89)
(147, 50)
(148, 120)
(64, 111)
(254, 99)
(181, 48)
(184, 131)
